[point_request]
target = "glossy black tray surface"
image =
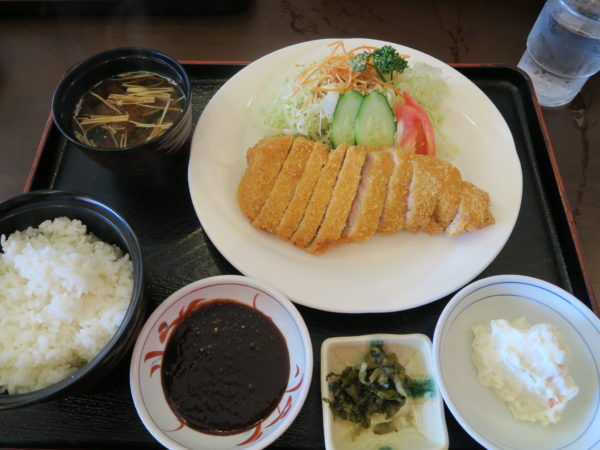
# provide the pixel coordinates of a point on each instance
(176, 251)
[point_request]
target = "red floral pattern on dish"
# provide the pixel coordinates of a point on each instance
(179, 427)
(164, 329)
(255, 435)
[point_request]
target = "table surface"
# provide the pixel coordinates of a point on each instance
(39, 44)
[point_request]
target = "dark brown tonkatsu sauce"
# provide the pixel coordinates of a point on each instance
(225, 367)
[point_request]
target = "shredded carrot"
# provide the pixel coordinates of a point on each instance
(334, 73)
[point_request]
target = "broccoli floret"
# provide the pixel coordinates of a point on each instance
(386, 61)
(359, 62)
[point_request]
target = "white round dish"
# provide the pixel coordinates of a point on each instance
(477, 408)
(145, 374)
(385, 273)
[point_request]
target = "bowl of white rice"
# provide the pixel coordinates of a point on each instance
(71, 294)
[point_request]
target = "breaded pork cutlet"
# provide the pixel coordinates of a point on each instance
(317, 198)
(317, 205)
(283, 189)
(295, 209)
(343, 194)
(393, 216)
(473, 211)
(363, 219)
(448, 201)
(264, 160)
(423, 192)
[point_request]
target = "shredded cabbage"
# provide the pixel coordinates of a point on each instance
(298, 110)
(295, 110)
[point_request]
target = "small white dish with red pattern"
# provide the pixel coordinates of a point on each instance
(145, 372)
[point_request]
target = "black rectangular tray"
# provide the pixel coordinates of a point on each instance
(176, 251)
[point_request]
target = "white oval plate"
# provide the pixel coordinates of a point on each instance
(477, 408)
(385, 273)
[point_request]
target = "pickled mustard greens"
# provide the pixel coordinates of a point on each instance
(127, 109)
(378, 385)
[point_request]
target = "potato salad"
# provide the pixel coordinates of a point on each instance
(526, 365)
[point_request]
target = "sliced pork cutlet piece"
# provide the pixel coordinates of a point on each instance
(448, 200)
(393, 216)
(365, 212)
(297, 205)
(317, 205)
(264, 161)
(283, 189)
(473, 211)
(423, 192)
(343, 194)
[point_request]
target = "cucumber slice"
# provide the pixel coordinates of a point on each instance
(344, 117)
(375, 122)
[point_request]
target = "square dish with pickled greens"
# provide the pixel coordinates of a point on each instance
(378, 391)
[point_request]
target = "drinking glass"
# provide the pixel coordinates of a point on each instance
(563, 49)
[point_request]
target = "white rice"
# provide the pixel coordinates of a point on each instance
(63, 294)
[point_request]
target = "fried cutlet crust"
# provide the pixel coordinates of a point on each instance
(448, 200)
(264, 161)
(393, 217)
(348, 193)
(473, 211)
(342, 196)
(295, 209)
(424, 190)
(283, 189)
(317, 205)
(370, 197)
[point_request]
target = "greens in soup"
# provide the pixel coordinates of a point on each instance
(127, 109)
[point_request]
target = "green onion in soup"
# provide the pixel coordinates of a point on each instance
(127, 109)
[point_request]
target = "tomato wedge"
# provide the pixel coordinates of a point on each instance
(415, 125)
(425, 123)
(409, 125)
